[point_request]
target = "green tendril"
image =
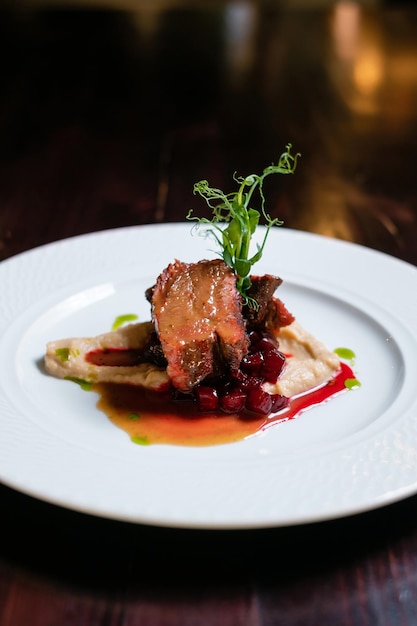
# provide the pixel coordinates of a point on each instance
(234, 209)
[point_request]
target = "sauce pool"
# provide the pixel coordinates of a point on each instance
(150, 417)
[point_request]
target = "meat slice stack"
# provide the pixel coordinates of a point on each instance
(197, 313)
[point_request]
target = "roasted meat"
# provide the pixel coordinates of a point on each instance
(197, 313)
(262, 289)
(271, 313)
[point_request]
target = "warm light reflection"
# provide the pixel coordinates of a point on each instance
(240, 20)
(147, 22)
(359, 66)
(368, 71)
(346, 19)
(329, 212)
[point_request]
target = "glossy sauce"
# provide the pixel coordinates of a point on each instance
(154, 418)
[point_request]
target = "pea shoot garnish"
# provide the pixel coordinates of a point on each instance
(235, 210)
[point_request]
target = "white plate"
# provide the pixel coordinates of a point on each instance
(355, 453)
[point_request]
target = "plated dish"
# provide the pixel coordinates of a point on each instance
(354, 453)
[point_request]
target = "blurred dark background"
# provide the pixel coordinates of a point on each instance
(100, 106)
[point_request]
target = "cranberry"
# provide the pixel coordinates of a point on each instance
(259, 401)
(248, 382)
(207, 398)
(242, 389)
(274, 362)
(266, 345)
(254, 337)
(252, 362)
(233, 401)
(279, 402)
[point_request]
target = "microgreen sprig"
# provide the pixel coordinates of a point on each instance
(234, 209)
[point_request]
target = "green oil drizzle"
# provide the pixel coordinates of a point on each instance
(141, 441)
(84, 384)
(123, 319)
(345, 353)
(348, 355)
(133, 417)
(352, 383)
(63, 354)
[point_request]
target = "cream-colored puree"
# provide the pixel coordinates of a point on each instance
(309, 363)
(65, 358)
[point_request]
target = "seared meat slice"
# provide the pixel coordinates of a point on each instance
(277, 316)
(197, 313)
(271, 313)
(262, 289)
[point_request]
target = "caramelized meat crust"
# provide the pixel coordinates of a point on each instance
(271, 313)
(197, 313)
(262, 289)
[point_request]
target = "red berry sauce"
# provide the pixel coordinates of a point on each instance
(231, 409)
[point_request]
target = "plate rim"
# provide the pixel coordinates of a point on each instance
(178, 521)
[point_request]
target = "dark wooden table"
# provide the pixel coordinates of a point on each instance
(106, 120)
